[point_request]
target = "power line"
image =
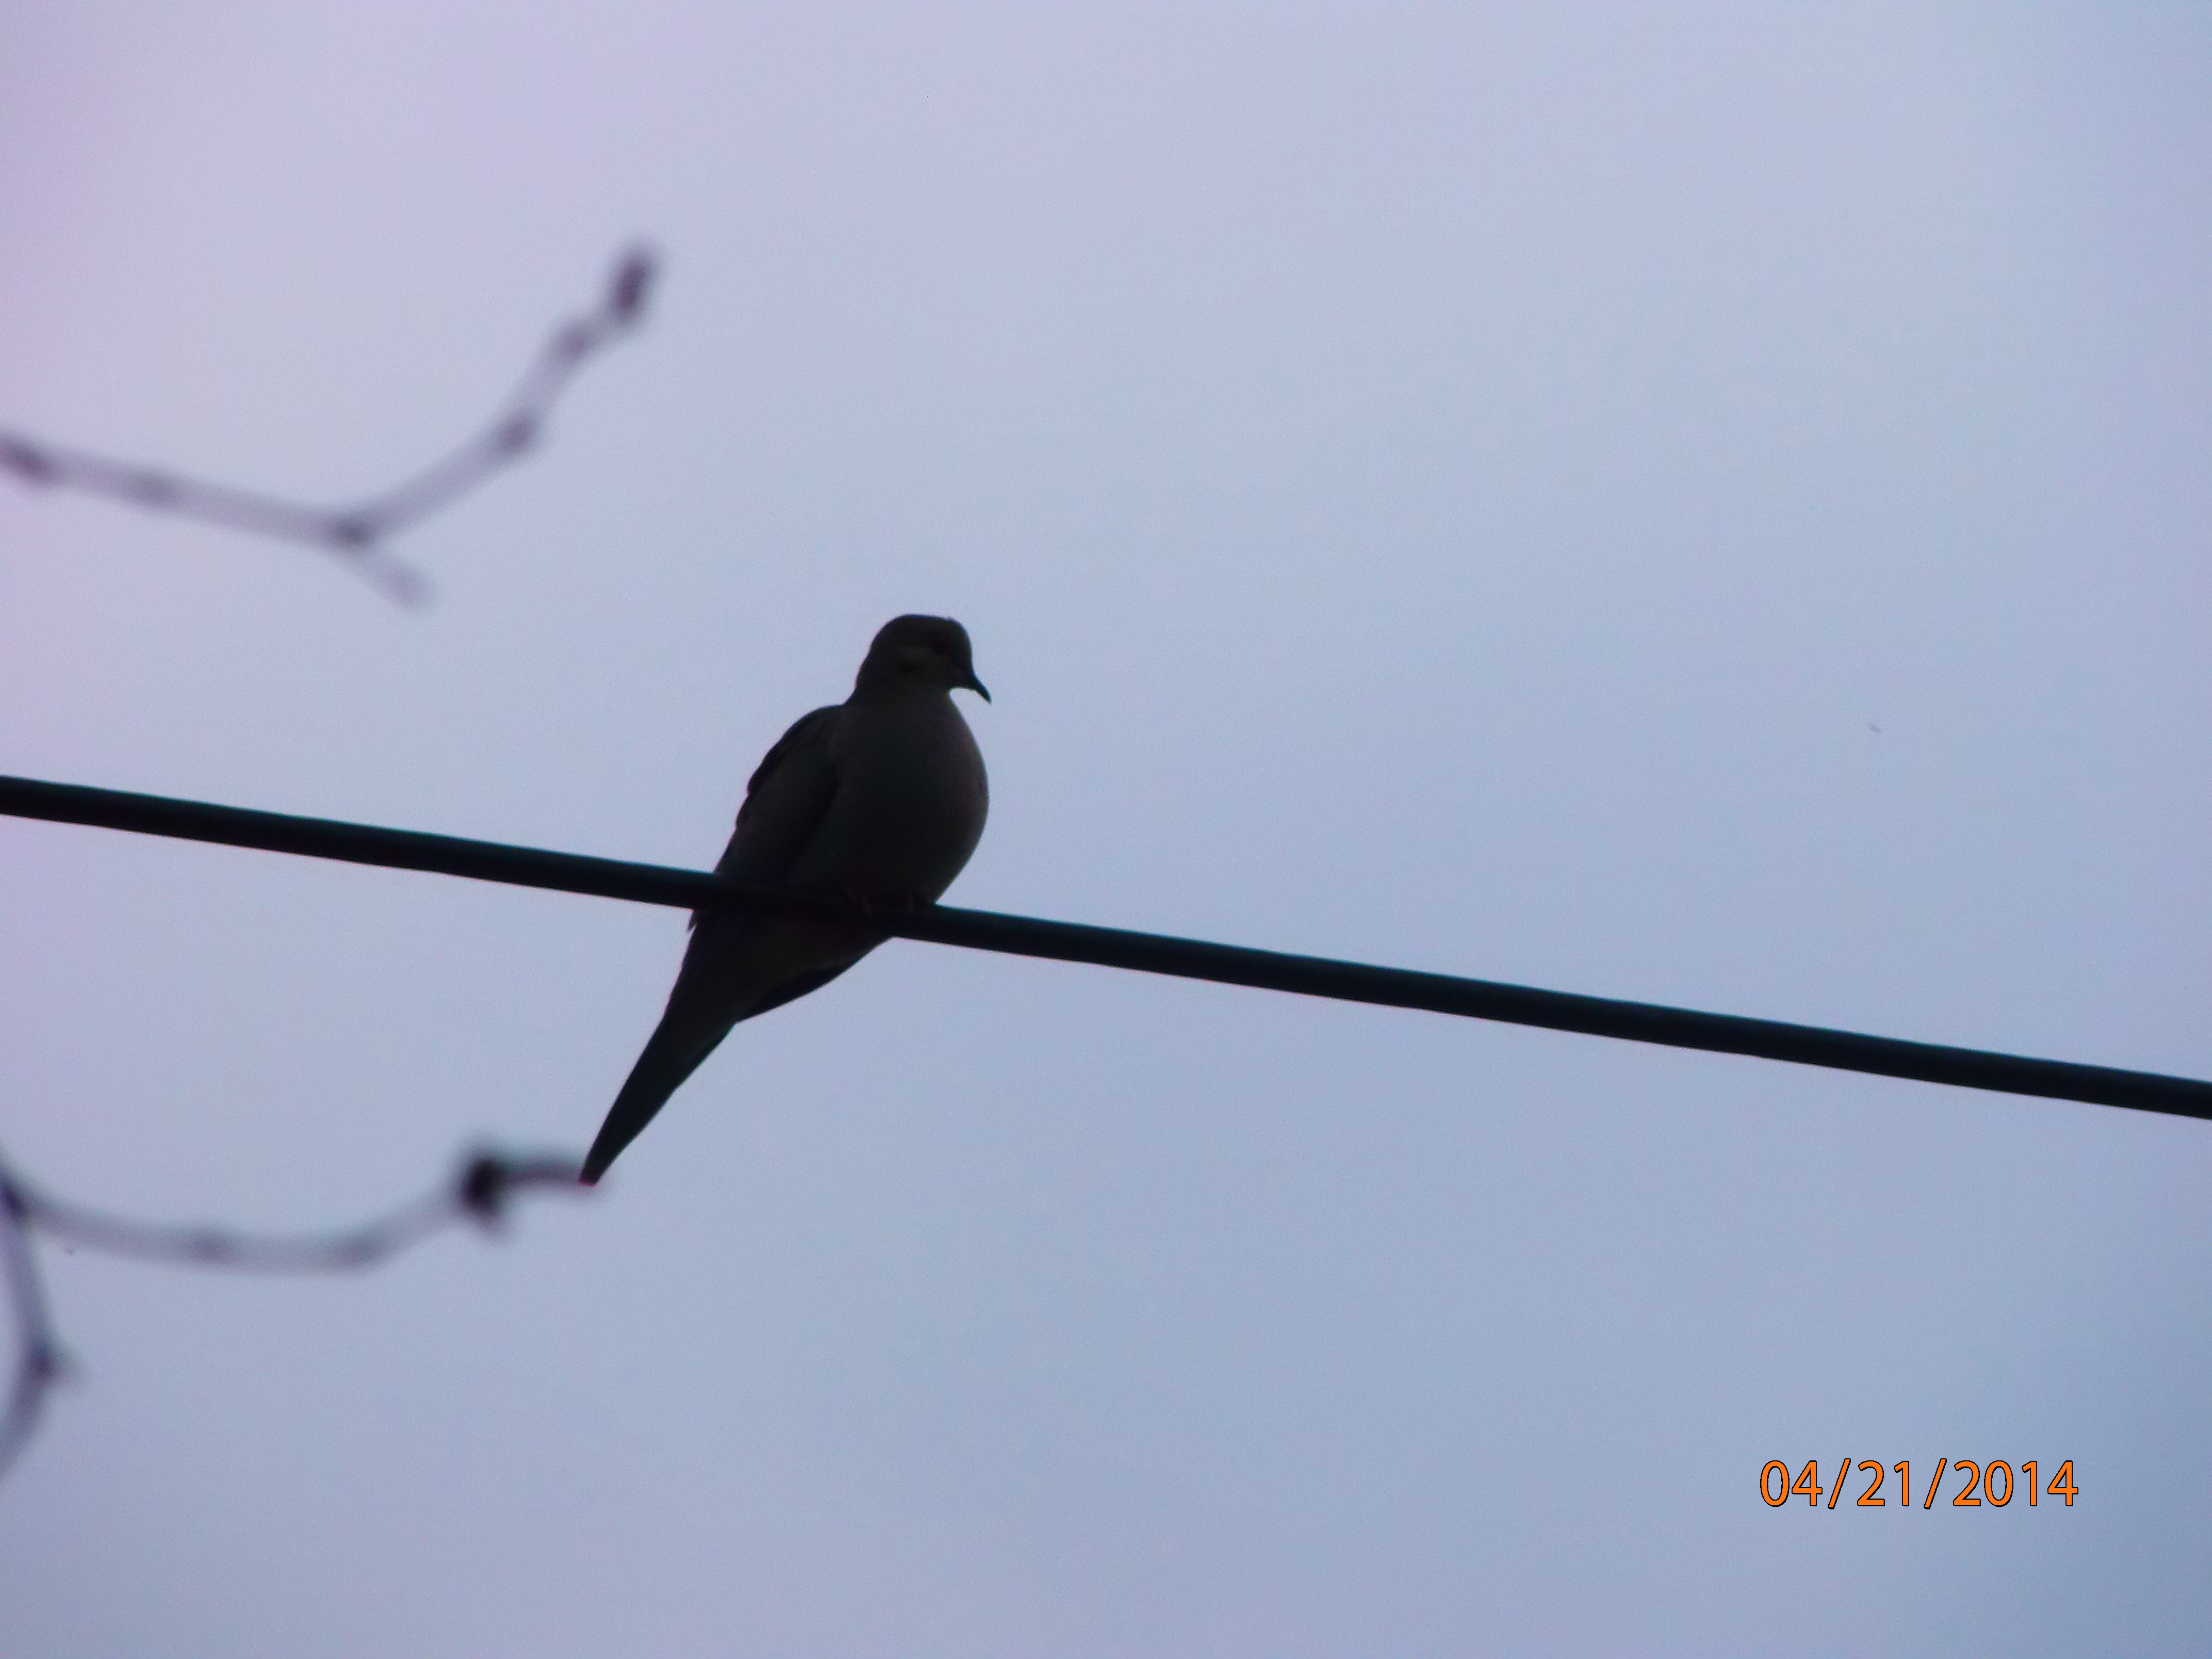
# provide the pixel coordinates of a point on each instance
(1153, 953)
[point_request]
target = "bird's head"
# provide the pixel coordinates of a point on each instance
(918, 654)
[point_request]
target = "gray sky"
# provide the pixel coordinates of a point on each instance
(1706, 504)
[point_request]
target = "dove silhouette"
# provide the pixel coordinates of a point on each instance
(881, 798)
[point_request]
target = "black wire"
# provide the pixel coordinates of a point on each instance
(1152, 953)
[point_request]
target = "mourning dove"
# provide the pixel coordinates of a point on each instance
(880, 799)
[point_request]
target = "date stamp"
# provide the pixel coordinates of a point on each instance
(1993, 1484)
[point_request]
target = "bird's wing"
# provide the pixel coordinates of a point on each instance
(786, 801)
(733, 970)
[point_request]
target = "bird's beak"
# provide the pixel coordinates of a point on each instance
(976, 686)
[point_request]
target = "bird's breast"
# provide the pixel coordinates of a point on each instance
(909, 806)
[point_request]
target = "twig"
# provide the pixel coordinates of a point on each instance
(480, 1192)
(358, 534)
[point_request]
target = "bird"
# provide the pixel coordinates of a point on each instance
(880, 799)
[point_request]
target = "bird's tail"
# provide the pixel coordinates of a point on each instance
(674, 1051)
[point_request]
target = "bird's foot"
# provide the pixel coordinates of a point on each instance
(887, 908)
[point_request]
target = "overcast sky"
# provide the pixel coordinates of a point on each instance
(1704, 503)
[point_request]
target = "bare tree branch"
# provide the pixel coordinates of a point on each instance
(358, 534)
(37, 1351)
(480, 1192)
